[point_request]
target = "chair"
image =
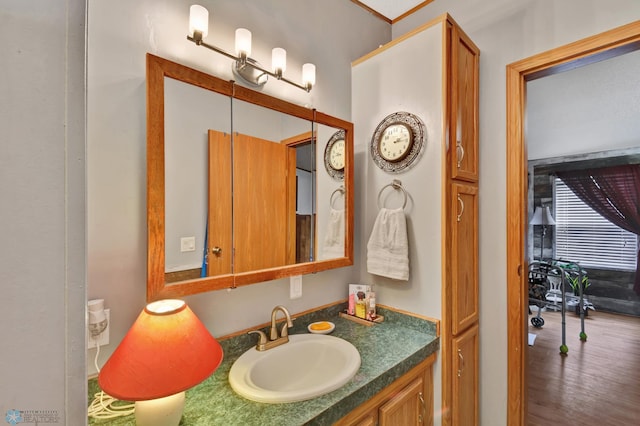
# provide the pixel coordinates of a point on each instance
(554, 293)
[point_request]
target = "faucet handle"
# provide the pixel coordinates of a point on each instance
(262, 338)
(284, 332)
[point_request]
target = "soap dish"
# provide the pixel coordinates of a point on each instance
(321, 327)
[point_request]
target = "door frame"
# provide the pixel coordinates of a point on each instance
(596, 48)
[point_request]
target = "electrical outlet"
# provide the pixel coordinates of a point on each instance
(295, 287)
(103, 338)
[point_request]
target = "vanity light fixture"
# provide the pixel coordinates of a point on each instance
(166, 351)
(248, 69)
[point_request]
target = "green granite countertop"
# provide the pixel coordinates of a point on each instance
(387, 350)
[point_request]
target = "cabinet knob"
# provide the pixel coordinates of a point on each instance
(461, 368)
(216, 250)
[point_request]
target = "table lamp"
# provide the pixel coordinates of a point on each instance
(166, 351)
(542, 216)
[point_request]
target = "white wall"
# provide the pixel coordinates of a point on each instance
(506, 31)
(392, 72)
(117, 141)
(42, 210)
(588, 109)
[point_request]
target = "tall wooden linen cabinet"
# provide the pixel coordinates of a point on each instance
(459, 336)
(445, 96)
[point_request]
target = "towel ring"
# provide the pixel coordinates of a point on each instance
(338, 190)
(396, 184)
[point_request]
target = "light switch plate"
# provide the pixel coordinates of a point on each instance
(295, 287)
(187, 244)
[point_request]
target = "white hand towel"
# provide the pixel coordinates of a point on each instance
(388, 247)
(334, 236)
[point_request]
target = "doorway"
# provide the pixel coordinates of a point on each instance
(593, 49)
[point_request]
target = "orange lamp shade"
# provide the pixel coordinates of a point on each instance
(166, 351)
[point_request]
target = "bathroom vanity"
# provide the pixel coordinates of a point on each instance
(394, 378)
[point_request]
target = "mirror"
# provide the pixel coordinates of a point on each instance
(236, 187)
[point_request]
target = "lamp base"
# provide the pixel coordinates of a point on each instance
(165, 411)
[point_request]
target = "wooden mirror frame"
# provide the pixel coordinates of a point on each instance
(159, 68)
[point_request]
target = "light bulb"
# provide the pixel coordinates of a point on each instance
(278, 60)
(165, 306)
(308, 75)
(198, 20)
(243, 42)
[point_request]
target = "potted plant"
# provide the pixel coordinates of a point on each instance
(578, 279)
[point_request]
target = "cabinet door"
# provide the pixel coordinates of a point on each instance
(464, 256)
(406, 401)
(463, 121)
(405, 408)
(464, 408)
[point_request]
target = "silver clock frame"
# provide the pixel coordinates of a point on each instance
(419, 135)
(335, 174)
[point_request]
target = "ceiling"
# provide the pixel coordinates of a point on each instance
(392, 9)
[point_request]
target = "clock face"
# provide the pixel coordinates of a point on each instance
(395, 142)
(398, 142)
(336, 155)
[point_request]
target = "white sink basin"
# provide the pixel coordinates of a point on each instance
(308, 366)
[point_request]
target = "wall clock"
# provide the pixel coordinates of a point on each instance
(398, 142)
(335, 155)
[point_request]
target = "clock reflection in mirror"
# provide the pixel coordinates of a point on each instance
(335, 155)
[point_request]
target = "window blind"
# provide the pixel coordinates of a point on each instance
(582, 235)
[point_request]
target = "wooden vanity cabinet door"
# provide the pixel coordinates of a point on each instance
(405, 402)
(405, 408)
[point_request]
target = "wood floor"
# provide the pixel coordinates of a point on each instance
(596, 383)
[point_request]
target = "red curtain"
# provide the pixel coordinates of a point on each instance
(614, 192)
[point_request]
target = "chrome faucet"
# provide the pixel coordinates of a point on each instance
(274, 339)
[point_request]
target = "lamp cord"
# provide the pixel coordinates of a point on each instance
(102, 406)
